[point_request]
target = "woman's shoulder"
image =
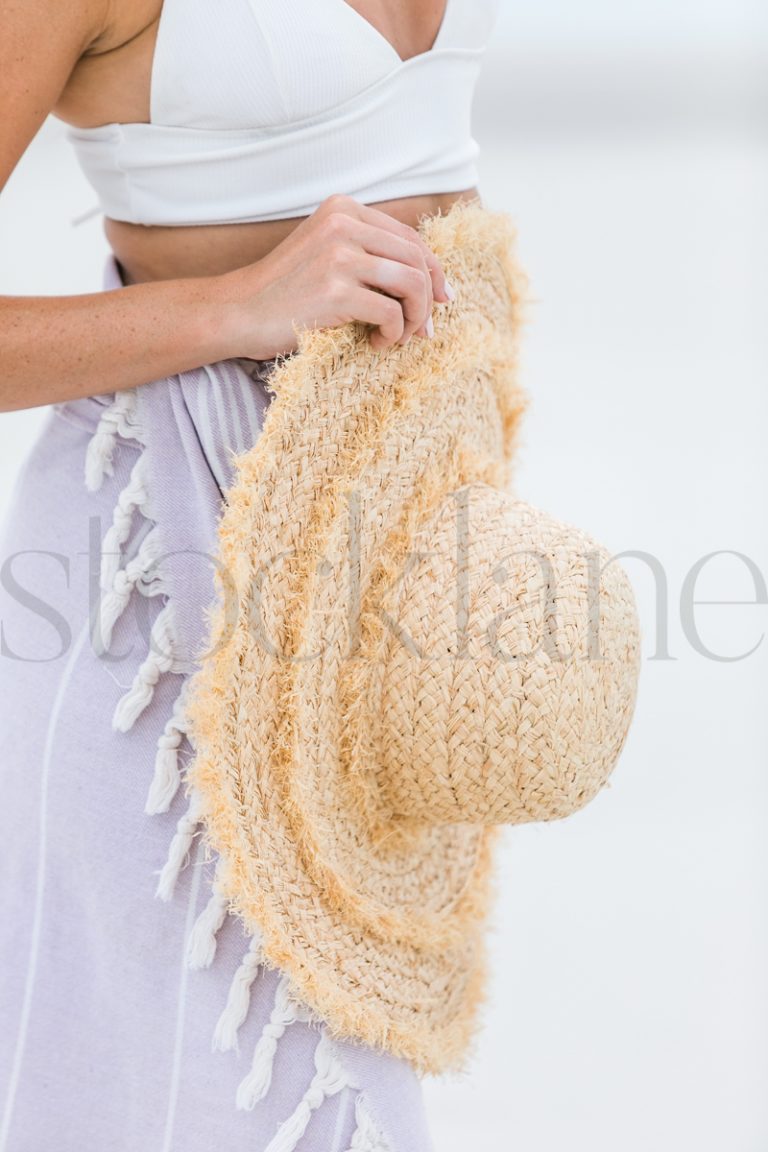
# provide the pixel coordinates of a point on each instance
(41, 44)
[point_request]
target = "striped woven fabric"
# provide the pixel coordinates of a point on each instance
(111, 1002)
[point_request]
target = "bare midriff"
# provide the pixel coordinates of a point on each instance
(148, 253)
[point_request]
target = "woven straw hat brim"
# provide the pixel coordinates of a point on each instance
(377, 922)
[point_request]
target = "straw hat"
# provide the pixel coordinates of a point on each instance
(402, 658)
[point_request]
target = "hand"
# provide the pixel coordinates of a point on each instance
(345, 262)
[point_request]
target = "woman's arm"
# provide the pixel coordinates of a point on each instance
(344, 262)
(55, 348)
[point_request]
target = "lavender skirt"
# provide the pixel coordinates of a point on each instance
(130, 1023)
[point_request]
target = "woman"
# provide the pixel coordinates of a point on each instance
(262, 168)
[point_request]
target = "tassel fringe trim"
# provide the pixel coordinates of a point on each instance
(134, 496)
(238, 1000)
(143, 574)
(118, 419)
(286, 1011)
(329, 1078)
(366, 1137)
(166, 780)
(201, 947)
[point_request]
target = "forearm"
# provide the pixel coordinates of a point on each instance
(345, 262)
(63, 347)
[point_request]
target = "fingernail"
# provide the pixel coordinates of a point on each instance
(449, 291)
(430, 327)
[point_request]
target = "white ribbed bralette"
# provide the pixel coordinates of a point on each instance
(260, 109)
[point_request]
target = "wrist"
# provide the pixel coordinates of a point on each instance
(232, 315)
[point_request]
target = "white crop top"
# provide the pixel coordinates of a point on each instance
(259, 109)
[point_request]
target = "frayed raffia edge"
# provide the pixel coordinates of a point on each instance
(143, 574)
(466, 232)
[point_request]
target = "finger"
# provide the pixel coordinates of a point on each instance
(402, 281)
(388, 223)
(347, 206)
(377, 242)
(383, 312)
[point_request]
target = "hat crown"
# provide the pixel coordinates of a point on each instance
(510, 674)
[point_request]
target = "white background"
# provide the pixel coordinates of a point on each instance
(629, 1007)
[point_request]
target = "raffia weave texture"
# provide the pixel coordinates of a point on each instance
(402, 658)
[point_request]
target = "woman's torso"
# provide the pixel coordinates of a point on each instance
(112, 84)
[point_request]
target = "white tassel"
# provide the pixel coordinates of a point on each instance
(161, 658)
(366, 1137)
(255, 1085)
(141, 572)
(238, 999)
(133, 496)
(201, 948)
(167, 776)
(179, 849)
(330, 1077)
(119, 418)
